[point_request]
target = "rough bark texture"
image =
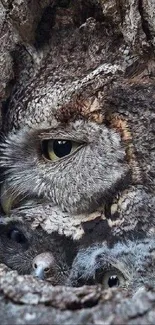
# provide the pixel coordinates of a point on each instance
(24, 300)
(117, 40)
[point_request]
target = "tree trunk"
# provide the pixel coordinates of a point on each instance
(106, 49)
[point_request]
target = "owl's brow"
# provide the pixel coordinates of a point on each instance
(65, 133)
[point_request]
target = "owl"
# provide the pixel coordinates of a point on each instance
(73, 178)
(59, 260)
(47, 257)
(73, 151)
(128, 264)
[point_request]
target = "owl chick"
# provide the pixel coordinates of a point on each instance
(46, 256)
(127, 264)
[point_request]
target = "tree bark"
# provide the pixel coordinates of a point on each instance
(25, 300)
(111, 46)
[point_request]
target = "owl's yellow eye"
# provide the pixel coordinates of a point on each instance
(54, 149)
(113, 279)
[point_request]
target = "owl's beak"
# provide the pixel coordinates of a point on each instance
(42, 264)
(9, 198)
(39, 272)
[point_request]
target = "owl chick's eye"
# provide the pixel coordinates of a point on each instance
(58, 148)
(17, 236)
(113, 278)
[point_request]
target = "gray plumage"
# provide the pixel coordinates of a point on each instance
(46, 256)
(78, 182)
(128, 264)
(65, 191)
(102, 190)
(104, 169)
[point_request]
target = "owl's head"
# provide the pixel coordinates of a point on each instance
(47, 257)
(127, 264)
(78, 166)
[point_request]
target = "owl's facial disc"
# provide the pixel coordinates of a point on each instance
(78, 168)
(55, 149)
